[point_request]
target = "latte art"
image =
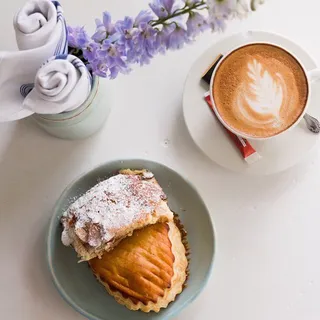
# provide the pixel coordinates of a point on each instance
(260, 90)
(263, 94)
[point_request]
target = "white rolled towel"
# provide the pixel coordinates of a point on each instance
(41, 33)
(40, 22)
(62, 84)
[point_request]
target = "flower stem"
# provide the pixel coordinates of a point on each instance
(179, 12)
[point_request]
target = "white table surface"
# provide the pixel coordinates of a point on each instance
(267, 262)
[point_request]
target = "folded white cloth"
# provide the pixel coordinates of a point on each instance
(41, 33)
(38, 21)
(63, 83)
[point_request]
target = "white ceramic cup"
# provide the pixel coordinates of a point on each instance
(311, 76)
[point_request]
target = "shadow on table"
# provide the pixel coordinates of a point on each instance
(33, 160)
(32, 167)
(220, 182)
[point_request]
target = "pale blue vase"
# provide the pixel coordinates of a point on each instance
(83, 121)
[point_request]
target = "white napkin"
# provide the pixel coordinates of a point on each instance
(41, 33)
(63, 83)
(38, 21)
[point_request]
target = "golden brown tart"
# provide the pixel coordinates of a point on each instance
(111, 210)
(147, 270)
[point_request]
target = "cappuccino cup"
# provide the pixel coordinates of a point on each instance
(260, 90)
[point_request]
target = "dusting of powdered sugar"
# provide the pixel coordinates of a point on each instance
(147, 175)
(113, 204)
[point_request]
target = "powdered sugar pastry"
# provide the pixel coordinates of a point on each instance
(110, 206)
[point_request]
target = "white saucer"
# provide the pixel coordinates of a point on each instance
(279, 153)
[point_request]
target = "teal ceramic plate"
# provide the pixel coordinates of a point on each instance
(74, 280)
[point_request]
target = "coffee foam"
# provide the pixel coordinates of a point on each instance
(260, 90)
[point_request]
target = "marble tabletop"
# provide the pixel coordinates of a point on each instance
(267, 263)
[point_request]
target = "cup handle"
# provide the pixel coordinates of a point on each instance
(313, 75)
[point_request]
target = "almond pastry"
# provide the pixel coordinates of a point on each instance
(111, 210)
(147, 270)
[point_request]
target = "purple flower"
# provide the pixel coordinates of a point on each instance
(222, 10)
(104, 28)
(113, 54)
(177, 38)
(222, 7)
(128, 38)
(169, 25)
(77, 37)
(113, 72)
(126, 32)
(90, 51)
(180, 21)
(145, 43)
(144, 16)
(138, 39)
(107, 59)
(162, 38)
(196, 24)
(125, 27)
(217, 24)
(161, 8)
(99, 68)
